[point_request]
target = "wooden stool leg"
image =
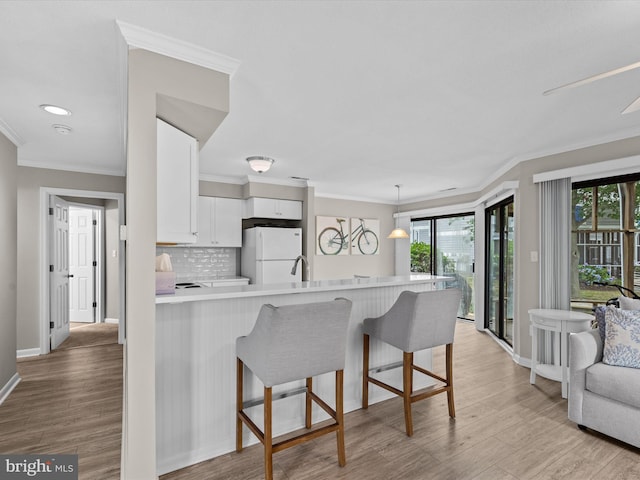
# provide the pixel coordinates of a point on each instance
(307, 409)
(407, 389)
(449, 367)
(239, 402)
(365, 371)
(268, 438)
(342, 460)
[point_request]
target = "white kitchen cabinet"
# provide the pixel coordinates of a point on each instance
(257, 207)
(177, 185)
(219, 222)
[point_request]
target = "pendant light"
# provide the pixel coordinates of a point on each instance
(398, 232)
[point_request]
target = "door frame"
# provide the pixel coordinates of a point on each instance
(433, 240)
(99, 254)
(45, 193)
(500, 330)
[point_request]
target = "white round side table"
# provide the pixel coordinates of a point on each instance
(560, 323)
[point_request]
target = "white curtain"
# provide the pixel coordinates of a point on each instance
(555, 244)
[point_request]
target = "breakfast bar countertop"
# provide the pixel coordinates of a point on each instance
(196, 334)
(200, 294)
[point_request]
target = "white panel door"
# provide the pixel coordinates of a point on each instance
(81, 265)
(59, 278)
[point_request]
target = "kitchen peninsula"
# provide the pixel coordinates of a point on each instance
(196, 365)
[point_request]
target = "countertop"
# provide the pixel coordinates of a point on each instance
(219, 293)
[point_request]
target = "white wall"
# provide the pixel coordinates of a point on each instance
(8, 263)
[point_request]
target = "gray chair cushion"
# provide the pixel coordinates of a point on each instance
(417, 320)
(617, 383)
(296, 341)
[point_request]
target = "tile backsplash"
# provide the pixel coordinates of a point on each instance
(200, 263)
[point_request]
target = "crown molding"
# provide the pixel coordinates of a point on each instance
(618, 166)
(116, 172)
(351, 198)
(514, 162)
(206, 177)
(138, 37)
(504, 189)
(289, 182)
(11, 134)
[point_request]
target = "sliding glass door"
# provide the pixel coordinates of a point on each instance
(445, 246)
(499, 270)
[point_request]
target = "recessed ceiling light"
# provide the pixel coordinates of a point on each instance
(62, 129)
(55, 109)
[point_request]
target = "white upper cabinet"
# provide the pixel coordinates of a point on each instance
(256, 207)
(220, 222)
(177, 176)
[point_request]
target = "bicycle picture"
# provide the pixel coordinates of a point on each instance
(332, 240)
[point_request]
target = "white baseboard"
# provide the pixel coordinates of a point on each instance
(522, 361)
(8, 388)
(28, 352)
(112, 320)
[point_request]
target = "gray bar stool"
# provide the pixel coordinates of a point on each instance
(416, 321)
(290, 343)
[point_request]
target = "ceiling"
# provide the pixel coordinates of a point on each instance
(356, 96)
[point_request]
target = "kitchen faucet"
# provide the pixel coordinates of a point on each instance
(305, 261)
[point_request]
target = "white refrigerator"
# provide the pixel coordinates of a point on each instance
(269, 253)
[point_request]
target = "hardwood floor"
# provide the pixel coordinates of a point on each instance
(505, 428)
(91, 334)
(70, 402)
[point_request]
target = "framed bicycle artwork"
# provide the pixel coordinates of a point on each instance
(341, 236)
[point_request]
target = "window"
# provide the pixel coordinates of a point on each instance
(444, 246)
(605, 238)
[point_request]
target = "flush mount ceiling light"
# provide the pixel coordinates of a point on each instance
(260, 164)
(398, 232)
(55, 109)
(62, 129)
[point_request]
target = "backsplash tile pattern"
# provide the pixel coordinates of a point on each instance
(201, 263)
